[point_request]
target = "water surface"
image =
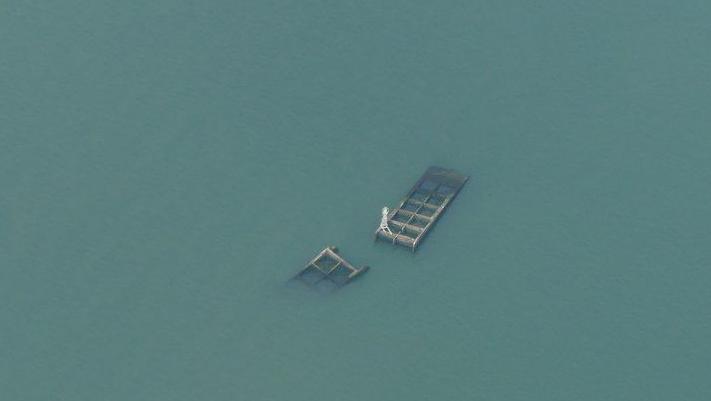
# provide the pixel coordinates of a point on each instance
(166, 167)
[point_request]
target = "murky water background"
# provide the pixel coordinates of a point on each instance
(166, 167)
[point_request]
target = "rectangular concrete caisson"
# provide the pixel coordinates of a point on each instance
(422, 206)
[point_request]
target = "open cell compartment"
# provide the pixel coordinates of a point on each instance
(445, 190)
(437, 199)
(411, 206)
(420, 195)
(401, 217)
(407, 232)
(427, 185)
(341, 275)
(427, 211)
(326, 263)
(311, 275)
(419, 221)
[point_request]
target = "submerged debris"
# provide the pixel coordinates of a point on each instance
(329, 270)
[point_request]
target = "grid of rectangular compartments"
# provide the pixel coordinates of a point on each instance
(422, 206)
(329, 270)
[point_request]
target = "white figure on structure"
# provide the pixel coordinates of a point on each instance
(384, 221)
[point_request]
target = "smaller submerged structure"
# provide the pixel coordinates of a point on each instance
(329, 270)
(419, 210)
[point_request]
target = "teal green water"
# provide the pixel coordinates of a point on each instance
(166, 167)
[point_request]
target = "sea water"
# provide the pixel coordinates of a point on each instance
(166, 167)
